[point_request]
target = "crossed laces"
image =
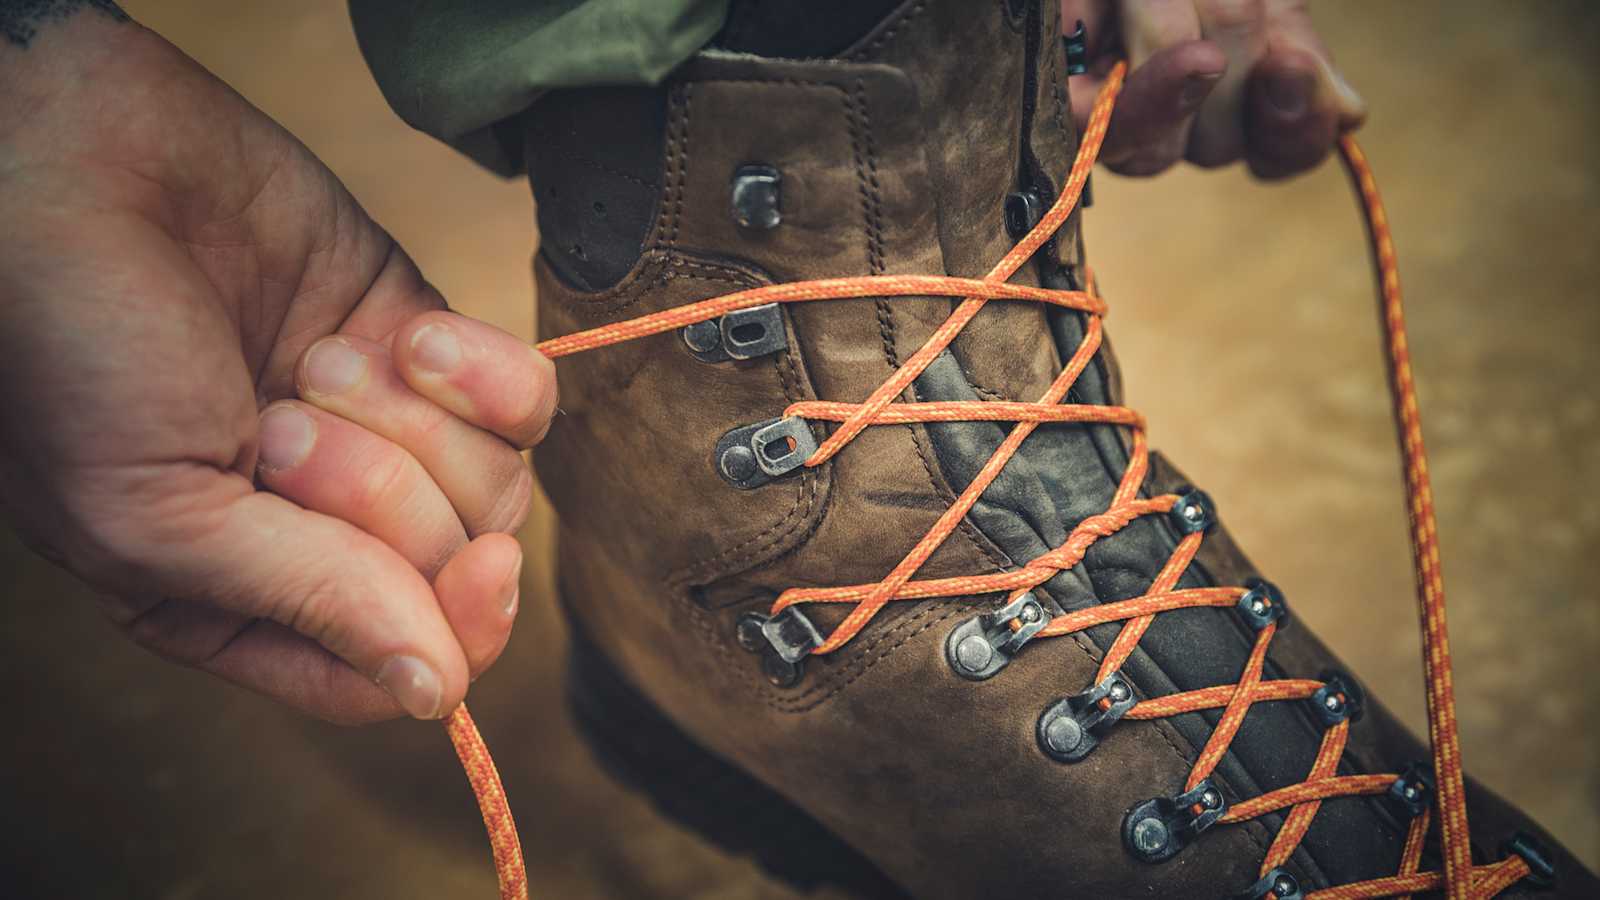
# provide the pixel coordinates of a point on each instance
(1200, 805)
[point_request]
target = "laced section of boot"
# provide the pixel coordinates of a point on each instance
(1458, 878)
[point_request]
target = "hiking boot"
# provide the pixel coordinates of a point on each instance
(951, 743)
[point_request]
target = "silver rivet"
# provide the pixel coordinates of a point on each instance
(1332, 703)
(703, 337)
(778, 672)
(1030, 614)
(974, 653)
(738, 463)
(749, 633)
(1063, 734)
(757, 197)
(1193, 512)
(1283, 886)
(1119, 692)
(1258, 607)
(1210, 799)
(1150, 836)
(1411, 792)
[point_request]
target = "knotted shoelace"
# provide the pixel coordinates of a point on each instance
(1459, 878)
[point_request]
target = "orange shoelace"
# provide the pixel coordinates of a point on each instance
(1459, 878)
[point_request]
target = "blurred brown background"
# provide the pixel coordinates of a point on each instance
(124, 777)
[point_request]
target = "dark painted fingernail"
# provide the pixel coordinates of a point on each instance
(1196, 88)
(1290, 92)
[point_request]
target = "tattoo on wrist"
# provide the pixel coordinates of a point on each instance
(20, 20)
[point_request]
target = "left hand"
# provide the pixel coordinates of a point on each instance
(1213, 82)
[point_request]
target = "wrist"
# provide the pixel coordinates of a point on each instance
(100, 113)
(90, 88)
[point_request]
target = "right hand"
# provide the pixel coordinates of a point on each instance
(221, 398)
(1213, 82)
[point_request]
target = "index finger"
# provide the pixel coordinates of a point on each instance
(484, 375)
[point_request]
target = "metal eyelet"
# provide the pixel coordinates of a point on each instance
(983, 645)
(1073, 726)
(1193, 512)
(1159, 828)
(1275, 885)
(1412, 792)
(1262, 604)
(1023, 210)
(783, 641)
(756, 197)
(742, 334)
(1542, 868)
(752, 455)
(1339, 699)
(1076, 46)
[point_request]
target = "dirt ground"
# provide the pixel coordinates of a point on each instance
(125, 777)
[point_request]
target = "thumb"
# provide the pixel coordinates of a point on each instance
(352, 616)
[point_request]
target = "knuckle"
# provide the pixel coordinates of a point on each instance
(512, 504)
(431, 426)
(381, 483)
(336, 707)
(309, 602)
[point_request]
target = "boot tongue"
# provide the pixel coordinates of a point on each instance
(993, 107)
(994, 117)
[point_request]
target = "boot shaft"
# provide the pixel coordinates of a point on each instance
(685, 512)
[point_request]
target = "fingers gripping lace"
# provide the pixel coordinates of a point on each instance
(1459, 878)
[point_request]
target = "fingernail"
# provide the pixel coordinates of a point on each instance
(1348, 98)
(435, 348)
(412, 683)
(286, 437)
(1196, 88)
(516, 587)
(1289, 92)
(333, 367)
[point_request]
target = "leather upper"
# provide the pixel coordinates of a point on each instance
(896, 158)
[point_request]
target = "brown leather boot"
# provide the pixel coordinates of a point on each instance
(945, 750)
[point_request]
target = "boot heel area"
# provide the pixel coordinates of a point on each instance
(639, 747)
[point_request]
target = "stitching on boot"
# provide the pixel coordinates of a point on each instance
(730, 560)
(867, 179)
(838, 679)
(682, 160)
(1052, 27)
(892, 31)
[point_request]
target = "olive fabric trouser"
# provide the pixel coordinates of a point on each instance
(453, 69)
